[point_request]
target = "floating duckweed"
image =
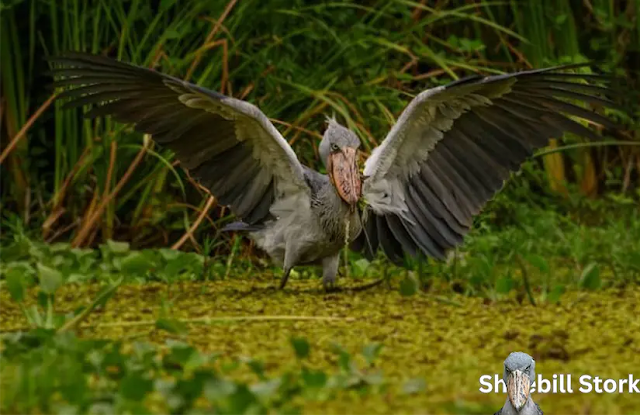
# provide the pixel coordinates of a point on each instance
(448, 346)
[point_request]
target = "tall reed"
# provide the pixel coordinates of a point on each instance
(86, 181)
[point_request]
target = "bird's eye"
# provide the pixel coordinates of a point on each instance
(334, 147)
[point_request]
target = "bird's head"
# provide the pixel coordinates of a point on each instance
(339, 153)
(519, 375)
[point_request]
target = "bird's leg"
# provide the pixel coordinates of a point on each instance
(330, 271)
(285, 277)
(290, 260)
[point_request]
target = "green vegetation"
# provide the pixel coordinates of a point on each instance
(117, 293)
(200, 338)
(60, 373)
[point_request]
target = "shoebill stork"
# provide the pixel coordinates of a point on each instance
(450, 151)
(519, 375)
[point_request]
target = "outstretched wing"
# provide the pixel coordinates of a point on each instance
(455, 145)
(227, 144)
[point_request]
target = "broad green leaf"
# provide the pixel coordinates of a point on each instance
(633, 260)
(181, 359)
(554, 295)
(344, 358)
(173, 267)
(118, 247)
(50, 279)
(33, 316)
(77, 278)
(538, 262)
(242, 400)
(43, 299)
(360, 267)
(135, 387)
(218, 388)
(590, 278)
(371, 351)
(408, 286)
(136, 263)
(301, 347)
(504, 284)
(314, 378)
(256, 367)
(169, 254)
(15, 284)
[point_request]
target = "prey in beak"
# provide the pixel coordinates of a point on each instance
(518, 385)
(343, 171)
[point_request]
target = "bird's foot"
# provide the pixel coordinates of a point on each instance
(331, 288)
(330, 284)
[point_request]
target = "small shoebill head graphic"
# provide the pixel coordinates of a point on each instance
(519, 375)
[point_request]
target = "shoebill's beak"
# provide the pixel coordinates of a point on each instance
(344, 175)
(518, 384)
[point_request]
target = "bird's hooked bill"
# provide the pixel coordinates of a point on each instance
(343, 171)
(518, 384)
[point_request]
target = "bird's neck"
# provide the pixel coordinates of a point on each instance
(529, 408)
(334, 214)
(338, 204)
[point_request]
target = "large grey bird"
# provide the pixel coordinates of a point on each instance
(450, 151)
(519, 375)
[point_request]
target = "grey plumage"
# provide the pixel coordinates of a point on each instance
(515, 365)
(449, 153)
(454, 146)
(310, 236)
(530, 408)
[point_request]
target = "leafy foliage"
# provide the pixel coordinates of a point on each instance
(542, 242)
(59, 373)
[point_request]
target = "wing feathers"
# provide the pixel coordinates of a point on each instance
(390, 246)
(459, 207)
(227, 143)
(454, 146)
(399, 231)
(444, 234)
